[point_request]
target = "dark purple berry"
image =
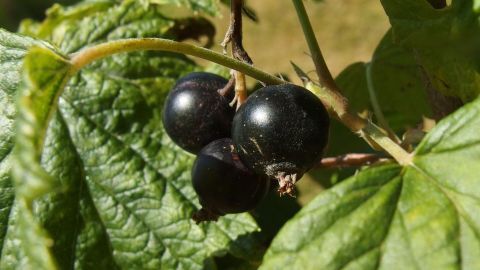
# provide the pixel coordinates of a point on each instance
(195, 114)
(281, 131)
(223, 184)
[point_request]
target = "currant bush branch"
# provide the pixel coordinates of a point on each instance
(96, 52)
(330, 94)
(331, 98)
(234, 38)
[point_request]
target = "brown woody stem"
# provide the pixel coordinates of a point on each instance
(234, 33)
(351, 160)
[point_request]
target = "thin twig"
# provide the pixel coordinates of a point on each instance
(351, 160)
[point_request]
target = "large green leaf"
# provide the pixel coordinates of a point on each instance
(112, 190)
(60, 19)
(423, 216)
(445, 42)
(395, 86)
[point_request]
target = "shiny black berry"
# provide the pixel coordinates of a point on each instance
(223, 184)
(195, 114)
(281, 131)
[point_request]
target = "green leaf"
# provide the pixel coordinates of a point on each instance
(88, 23)
(112, 190)
(13, 49)
(422, 216)
(37, 102)
(445, 41)
(63, 19)
(395, 84)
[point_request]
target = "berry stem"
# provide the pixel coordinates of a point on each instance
(240, 88)
(228, 87)
(96, 52)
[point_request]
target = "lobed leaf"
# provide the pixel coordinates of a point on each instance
(421, 216)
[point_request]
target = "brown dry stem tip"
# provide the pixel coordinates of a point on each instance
(234, 33)
(286, 184)
(204, 215)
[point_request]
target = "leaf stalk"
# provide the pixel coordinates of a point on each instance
(88, 55)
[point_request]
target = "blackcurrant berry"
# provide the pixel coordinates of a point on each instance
(195, 114)
(223, 184)
(281, 131)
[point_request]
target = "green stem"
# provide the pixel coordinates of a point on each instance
(366, 129)
(88, 55)
(331, 96)
(375, 133)
(324, 75)
(329, 93)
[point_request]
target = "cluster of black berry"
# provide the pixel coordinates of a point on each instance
(279, 133)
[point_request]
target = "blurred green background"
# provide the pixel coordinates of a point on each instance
(12, 11)
(348, 31)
